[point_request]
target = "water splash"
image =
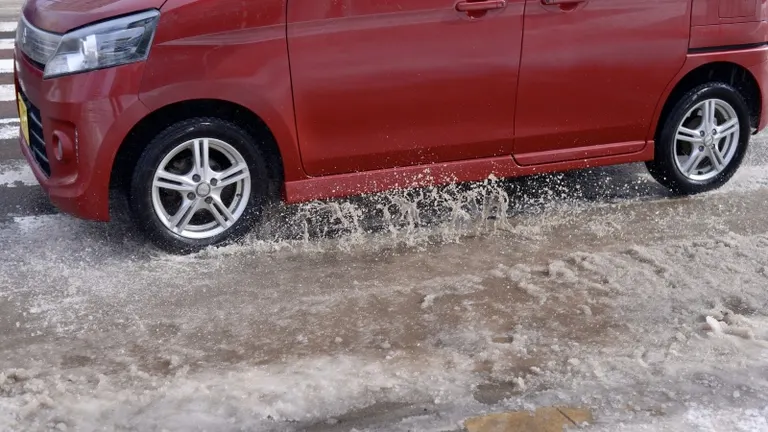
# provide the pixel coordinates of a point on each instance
(440, 214)
(408, 217)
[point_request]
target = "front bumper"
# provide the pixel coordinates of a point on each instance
(90, 114)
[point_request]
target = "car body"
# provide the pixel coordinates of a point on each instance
(344, 97)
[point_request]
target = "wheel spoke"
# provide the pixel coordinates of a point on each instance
(166, 180)
(689, 135)
(181, 219)
(727, 129)
(708, 116)
(221, 213)
(232, 175)
(693, 162)
(717, 159)
(202, 163)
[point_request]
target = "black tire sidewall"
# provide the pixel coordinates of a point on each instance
(140, 197)
(664, 167)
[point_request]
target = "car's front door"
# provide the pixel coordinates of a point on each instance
(592, 73)
(385, 83)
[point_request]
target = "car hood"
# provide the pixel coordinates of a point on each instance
(60, 16)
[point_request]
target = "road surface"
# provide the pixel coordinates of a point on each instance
(404, 311)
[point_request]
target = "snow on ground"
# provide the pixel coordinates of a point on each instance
(8, 130)
(405, 311)
(14, 174)
(7, 91)
(629, 332)
(623, 330)
(8, 26)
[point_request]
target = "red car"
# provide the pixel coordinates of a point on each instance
(205, 110)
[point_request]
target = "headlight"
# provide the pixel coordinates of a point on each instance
(111, 43)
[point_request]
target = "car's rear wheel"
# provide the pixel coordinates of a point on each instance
(703, 140)
(201, 182)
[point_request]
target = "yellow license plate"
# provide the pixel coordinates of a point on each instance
(23, 119)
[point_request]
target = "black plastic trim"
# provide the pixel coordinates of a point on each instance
(723, 48)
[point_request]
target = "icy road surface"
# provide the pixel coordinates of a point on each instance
(406, 311)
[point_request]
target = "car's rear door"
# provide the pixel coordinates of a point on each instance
(592, 73)
(385, 83)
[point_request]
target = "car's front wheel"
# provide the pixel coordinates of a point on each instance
(199, 183)
(703, 140)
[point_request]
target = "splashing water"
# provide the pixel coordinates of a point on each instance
(438, 214)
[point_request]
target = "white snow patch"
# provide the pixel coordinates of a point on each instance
(715, 326)
(8, 26)
(17, 173)
(7, 92)
(9, 130)
(6, 66)
(31, 224)
(435, 288)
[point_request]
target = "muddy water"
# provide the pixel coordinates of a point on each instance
(495, 291)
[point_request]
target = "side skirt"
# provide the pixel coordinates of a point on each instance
(590, 152)
(369, 182)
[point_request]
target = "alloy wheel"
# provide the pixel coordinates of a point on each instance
(201, 188)
(706, 139)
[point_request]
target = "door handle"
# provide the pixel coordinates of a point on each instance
(561, 2)
(467, 6)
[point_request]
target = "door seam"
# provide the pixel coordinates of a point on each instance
(517, 85)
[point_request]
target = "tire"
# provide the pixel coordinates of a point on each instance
(671, 162)
(185, 184)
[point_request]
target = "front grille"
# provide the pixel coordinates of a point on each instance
(36, 136)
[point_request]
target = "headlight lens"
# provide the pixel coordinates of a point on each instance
(111, 43)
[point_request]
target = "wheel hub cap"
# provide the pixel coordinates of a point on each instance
(709, 141)
(203, 190)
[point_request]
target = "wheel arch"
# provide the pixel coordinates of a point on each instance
(156, 121)
(731, 73)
